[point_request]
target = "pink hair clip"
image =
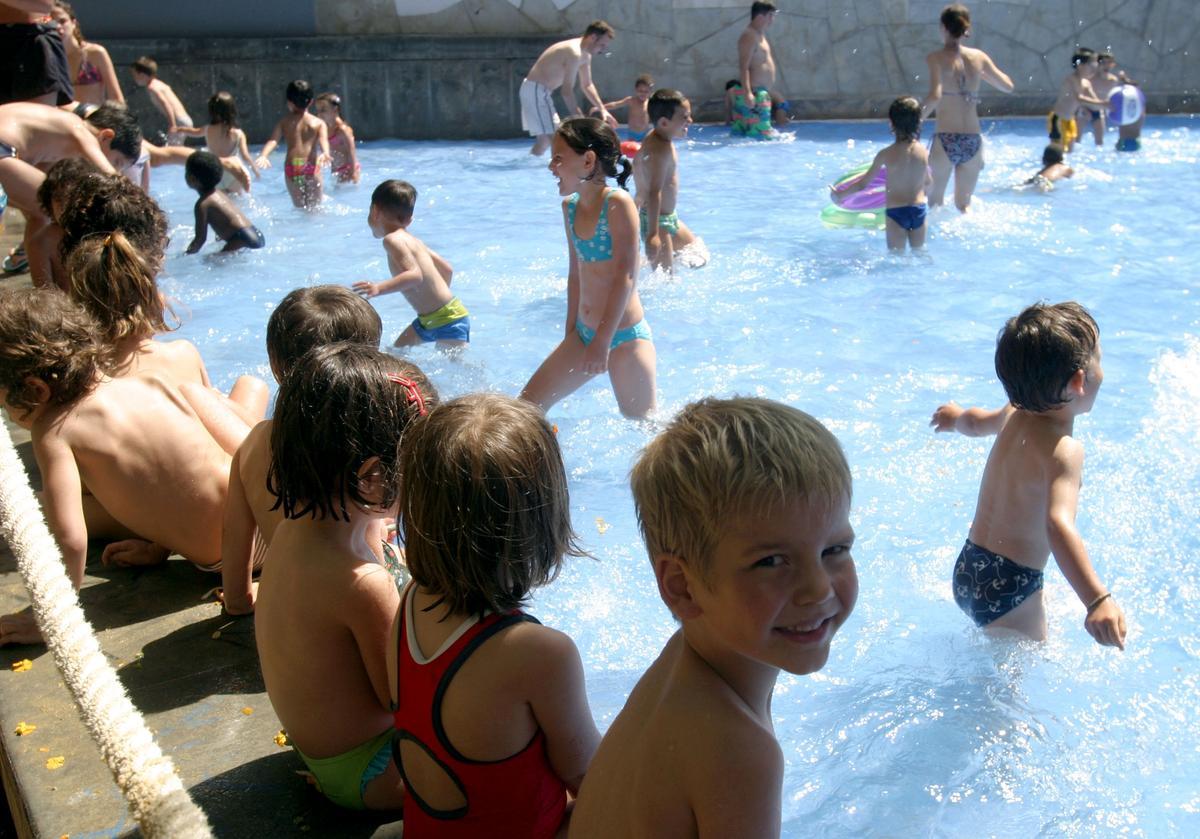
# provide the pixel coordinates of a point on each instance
(414, 392)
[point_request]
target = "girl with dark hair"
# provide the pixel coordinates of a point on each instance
(605, 327)
(228, 142)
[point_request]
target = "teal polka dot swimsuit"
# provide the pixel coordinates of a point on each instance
(599, 247)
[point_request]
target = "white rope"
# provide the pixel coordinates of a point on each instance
(144, 774)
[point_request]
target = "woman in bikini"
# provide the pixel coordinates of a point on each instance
(605, 326)
(955, 72)
(91, 68)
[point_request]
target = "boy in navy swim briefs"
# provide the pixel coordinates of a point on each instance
(1048, 359)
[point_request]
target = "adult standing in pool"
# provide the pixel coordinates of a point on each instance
(557, 68)
(756, 72)
(955, 73)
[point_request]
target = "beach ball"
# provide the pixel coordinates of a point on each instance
(1126, 104)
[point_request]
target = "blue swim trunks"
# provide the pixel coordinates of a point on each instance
(910, 218)
(449, 323)
(1129, 144)
(988, 586)
(640, 330)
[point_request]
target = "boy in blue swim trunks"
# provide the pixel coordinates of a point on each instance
(1048, 359)
(417, 270)
(907, 163)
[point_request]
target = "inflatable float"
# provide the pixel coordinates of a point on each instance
(863, 209)
(630, 148)
(1126, 104)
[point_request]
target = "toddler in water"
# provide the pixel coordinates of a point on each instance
(744, 505)
(325, 606)
(228, 142)
(341, 139)
(307, 140)
(493, 727)
(203, 173)
(1048, 359)
(1053, 169)
(907, 163)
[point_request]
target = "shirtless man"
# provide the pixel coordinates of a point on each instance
(557, 68)
(756, 70)
(34, 59)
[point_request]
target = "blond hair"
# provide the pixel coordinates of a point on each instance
(720, 458)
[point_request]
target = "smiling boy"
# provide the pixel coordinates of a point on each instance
(655, 171)
(744, 506)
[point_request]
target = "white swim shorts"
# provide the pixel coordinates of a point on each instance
(538, 115)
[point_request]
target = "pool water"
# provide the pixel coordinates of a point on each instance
(918, 725)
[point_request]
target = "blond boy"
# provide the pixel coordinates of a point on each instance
(655, 172)
(744, 506)
(124, 458)
(145, 74)
(417, 271)
(1048, 359)
(307, 140)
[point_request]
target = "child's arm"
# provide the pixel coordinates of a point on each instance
(352, 154)
(1087, 95)
(244, 153)
(839, 194)
(658, 247)
(323, 143)
(560, 705)
(262, 161)
(371, 615)
(62, 499)
(409, 273)
(972, 422)
(620, 103)
(746, 802)
(930, 102)
(191, 131)
(237, 547)
(1105, 621)
(442, 264)
(201, 227)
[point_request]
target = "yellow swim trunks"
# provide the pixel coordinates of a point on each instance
(1063, 132)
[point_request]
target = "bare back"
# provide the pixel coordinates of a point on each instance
(222, 140)
(559, 64)
(222, 214)
(907, 169)
(46, 135)
(405, 253)
(300, 133)
(177, 360)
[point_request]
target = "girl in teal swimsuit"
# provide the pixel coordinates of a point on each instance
(605, 327)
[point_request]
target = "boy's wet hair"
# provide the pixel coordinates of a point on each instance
(396, 198)
(600, 28)
(663, 103)
(905, 116)
(205, 167)
(45, 335)
(145, 65)
(1051, 154)
(1039, 350)
(1082, 56)
(222, 109)
(61, 178)
(645, 79)
(127, 134)
(1105, 56)
(732, 83)
(334, 100)
(762, 7)
(585, 134)
(317, 315)
(102, 203)
(720, 459)
(340, 405)
(484, 508)
(299, 93)
(956, 19)
(112, 280)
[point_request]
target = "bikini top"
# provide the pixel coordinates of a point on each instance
(600, 246)
(88, 73)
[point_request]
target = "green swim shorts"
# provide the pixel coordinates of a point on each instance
(342, 778)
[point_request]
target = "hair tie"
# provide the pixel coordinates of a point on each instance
(414, 392)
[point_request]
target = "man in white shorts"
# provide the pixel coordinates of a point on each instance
(557, 68)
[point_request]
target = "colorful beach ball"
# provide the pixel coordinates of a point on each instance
(1126, 104)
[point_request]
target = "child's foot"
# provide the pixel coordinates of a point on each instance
(131, 552)
(20, 628)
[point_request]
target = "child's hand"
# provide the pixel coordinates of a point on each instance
(262, 162)
(945, 418)
(366, 289)
(323, 160)
(653, 244)
(595, 358)
(1106, 623)
(20, 628)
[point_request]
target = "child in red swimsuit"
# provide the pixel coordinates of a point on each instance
(492, 723)
(341, 139)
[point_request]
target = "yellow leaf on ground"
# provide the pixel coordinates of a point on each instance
(55, 762)
(22, 665)
(247, 711)
(281, 739)
(24, 728)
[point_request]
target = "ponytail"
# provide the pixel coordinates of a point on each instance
(116, 284)
(590, 134)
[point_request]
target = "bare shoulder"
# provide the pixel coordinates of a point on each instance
(540, 649)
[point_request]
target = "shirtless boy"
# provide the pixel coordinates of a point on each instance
(1076, 92)
(756, 70)
(307, 139)
(1048, 359)
(655, 172)
(1053, 169)
(557, 69)
(908, 177)
(417, 271)
(119, 458)
(203, 173)
(744, 505)
(637, 119)
(145, 74)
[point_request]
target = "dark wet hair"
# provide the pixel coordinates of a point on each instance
(600, 28)
(1082, 56)
(957, 20)
(1039, 350)
(299, 93)
(1051, 154)
(585, 134)
(205, 167)
(396, 198)
(340, 405)
(762, 7)
(905, 116)
(317, 315)
(484, 507)
(127, 134)
(47, 336)
(645, 79)
(222, 109)
(101, 204)
(147, 65)
(663, 104)
(732, 83)
(61, 178)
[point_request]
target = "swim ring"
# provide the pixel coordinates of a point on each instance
(630, 148)
(1126, 104)
(864, 209)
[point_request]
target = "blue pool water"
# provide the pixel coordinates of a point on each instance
(918, 725)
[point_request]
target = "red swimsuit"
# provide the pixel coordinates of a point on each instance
(519, 796)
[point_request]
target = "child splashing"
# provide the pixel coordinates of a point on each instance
(605, 328)
(493, 724)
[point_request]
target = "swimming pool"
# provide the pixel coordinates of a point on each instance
(918, 725)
